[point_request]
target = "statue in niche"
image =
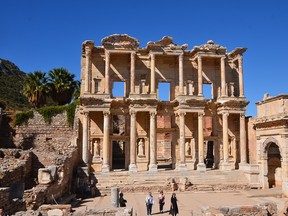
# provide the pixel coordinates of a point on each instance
(188, 148)
(141, 148)
(232, 90)
(96, 149)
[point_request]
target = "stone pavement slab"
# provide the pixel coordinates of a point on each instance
(189, 203)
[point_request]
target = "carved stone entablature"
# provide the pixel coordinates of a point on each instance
(238, 51)
(281, 123)
(209, 47)
(120, 41)
(278, 117)
(86, 101)
(233, 103)
(166, 45)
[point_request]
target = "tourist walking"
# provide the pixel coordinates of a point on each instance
(174, 207)
(122, 201)
(161, 199)
(149, 201)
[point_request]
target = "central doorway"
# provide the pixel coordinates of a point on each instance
(209, 160)
(118, 155)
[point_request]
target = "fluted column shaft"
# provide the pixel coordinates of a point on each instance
(200, 79)
(240, 71)
(181, 81)
(243, 150)
(200, 138)
(182, 137)
(225, 137)
(153, 147)
(152, 88)
(223, 77)
(88, 65)
(132, 73)
(106, 141)
(107, 72)
(132, 138)
(85, 138)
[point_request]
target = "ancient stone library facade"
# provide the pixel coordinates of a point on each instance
(137, 129)
(163, 106)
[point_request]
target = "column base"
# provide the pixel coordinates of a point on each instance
(225, 167)
(244, 166)
(182, 167)
(132, 168)
(153, 168)
(105, 169)
(201, 167)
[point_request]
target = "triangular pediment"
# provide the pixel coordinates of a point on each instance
(165, 45)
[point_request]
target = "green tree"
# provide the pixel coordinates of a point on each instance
(36, 88)
(62, 85)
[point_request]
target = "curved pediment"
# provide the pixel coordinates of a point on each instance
(165, 45)
(120, 41)
(210, 47)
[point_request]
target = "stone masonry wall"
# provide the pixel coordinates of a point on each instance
(14, 166)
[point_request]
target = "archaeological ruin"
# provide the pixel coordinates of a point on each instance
(164, 113)
(190, 128)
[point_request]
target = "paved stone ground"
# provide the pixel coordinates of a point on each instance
(190, 203)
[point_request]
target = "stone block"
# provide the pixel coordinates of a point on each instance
(44, 176)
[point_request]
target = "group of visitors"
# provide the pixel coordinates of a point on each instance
(149, 201)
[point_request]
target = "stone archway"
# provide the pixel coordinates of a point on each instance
(274, 165)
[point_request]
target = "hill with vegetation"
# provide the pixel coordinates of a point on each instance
(11, 85)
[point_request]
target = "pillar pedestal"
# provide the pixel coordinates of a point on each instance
(181, 167)
(153, 168)
(243, 166)
(132, 168)
(225, 166)
(105, 168)
(201, 167)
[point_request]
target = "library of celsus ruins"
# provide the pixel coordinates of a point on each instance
(127, 124)
(167, 107)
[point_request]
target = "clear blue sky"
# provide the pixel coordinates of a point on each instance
(44, 34)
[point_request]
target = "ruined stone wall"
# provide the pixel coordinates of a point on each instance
(14, 166)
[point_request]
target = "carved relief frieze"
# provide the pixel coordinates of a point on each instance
(209, 47)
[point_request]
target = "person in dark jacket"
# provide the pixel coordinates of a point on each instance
(122, 201)
(174, 207)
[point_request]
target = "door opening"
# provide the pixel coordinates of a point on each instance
(118, 155)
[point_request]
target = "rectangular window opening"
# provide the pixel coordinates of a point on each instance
(208, 90)
(118, 89)
(164, 91)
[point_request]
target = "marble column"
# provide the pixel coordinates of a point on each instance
(181, 81)
(240, 71)
(132, 73)
(106, 142)
(88, 66)
(182, 162)
(153, 142)
(107, 72)
(200, 166)
(223, 77)
(225, 137)
(85, 138)
(200, 78)
(133, 140)
(152, 87)
(243, 150)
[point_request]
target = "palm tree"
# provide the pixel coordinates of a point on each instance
(36, 88)
(62, 85)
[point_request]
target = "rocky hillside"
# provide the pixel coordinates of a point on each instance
(11, 81)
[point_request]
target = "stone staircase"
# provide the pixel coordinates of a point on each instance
(169, 180)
